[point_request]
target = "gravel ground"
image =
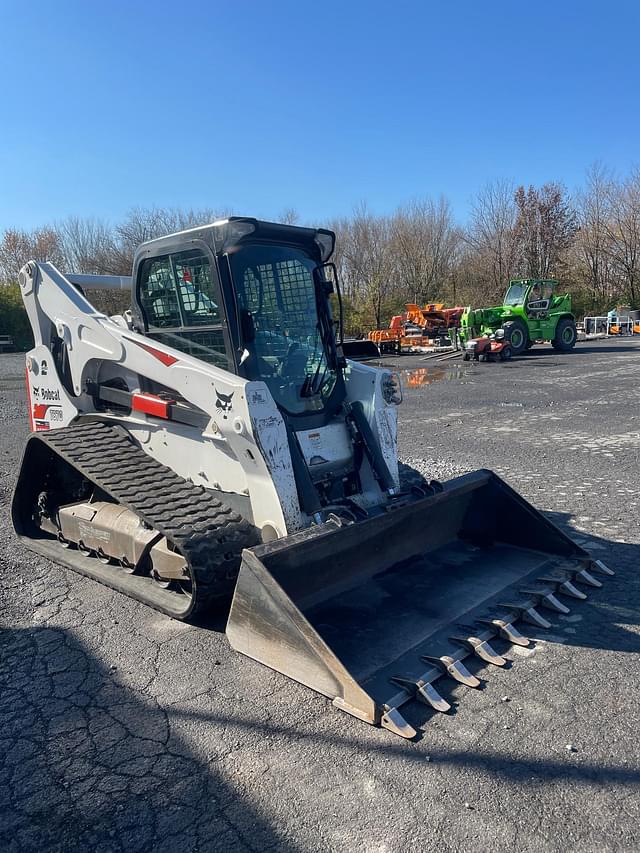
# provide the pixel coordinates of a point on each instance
(121, 730)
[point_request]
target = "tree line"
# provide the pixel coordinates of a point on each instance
(589, 239)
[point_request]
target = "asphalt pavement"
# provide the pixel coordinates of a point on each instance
(122, 730)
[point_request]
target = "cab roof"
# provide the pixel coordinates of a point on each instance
(222, 234)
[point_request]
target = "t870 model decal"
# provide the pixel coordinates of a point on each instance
(44, 416)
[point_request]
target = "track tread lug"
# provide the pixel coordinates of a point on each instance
(202, 528)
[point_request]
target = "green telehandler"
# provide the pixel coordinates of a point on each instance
(531, 311)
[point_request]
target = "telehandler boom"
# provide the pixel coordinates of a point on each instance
(215, 442)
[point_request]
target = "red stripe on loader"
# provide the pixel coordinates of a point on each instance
(31, 423)
(40, 410)
(164, 357)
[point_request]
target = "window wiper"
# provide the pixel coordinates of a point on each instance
(306, 390)
(311, 384)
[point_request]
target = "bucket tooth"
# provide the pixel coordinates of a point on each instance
(583, 576)
(393, 720)
(482, 649)
(548, 600)
(565, 587)
(528, 613)
(599, 566)
(430, 696)
(424, 691)
(507, 631)
(454, 668)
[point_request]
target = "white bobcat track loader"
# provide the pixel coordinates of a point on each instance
(215, 440)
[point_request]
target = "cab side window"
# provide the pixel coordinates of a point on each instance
(158, 294)
(535, 294)
(180, 305)
(195, 288)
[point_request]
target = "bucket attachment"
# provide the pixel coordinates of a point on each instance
(373, 613)
(360, 350)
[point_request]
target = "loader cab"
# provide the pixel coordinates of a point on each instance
(250, 297)
(533, 295)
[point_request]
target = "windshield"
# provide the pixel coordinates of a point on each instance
(275, 285)
(515, 294)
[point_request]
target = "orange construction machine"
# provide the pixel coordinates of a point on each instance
(418, 327)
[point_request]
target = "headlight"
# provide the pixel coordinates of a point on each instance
(392, 389)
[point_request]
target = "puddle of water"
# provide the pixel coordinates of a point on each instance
(429, 375)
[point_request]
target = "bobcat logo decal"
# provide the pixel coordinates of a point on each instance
(223, 402)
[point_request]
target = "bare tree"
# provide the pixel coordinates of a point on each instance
(341, 228)
(87, 245)
(144, 224)
(289, 216)
(367, 262)
(425, 242)
(591, 254)
(492, 234)
(623, 233)
(17, 247)
(545, 229)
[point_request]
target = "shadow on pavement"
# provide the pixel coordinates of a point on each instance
(607, 347)
(592, 349)
(86, 764)
(394, 747)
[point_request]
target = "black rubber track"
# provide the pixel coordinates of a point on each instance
(209, 534)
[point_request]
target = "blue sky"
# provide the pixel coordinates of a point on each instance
(260, 106)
